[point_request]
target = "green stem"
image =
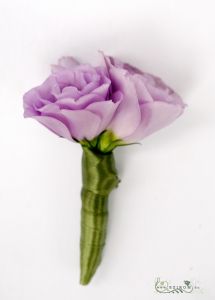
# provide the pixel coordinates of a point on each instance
(99, 179)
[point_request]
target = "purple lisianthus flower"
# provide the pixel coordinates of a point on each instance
(80, 102)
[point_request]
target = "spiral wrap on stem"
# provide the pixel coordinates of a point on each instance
(99, 177)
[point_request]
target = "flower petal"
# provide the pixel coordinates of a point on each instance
(65, 62)
(141, 89)
(32, 101)
(154, 116)
(69, 92)
(68, 62)
(113, 61)
(128, 115)
(82, 102)
(54, 125)
(88, 88)
(105, 110)
(102, 90)
(48, 89)
(83, 123)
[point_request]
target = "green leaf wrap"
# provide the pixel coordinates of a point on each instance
(99, 179)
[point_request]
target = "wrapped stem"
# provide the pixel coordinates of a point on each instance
(99, 179)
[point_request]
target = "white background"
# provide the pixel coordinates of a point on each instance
(162, 216)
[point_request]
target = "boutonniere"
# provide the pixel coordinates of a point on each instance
(101, 108)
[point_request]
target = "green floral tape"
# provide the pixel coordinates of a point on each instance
(99, 179)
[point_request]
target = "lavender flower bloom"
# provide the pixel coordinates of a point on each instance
(79, 102)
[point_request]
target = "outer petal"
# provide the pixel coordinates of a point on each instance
(83, 123)
(141, 89)
(154, 116)
(128, 115)
(131, 69)
(105, 110)
(31, 102)
(54, 125)
(48, 89)
(149, 87)
(160, 91)
(52, 110)
(109, 60)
